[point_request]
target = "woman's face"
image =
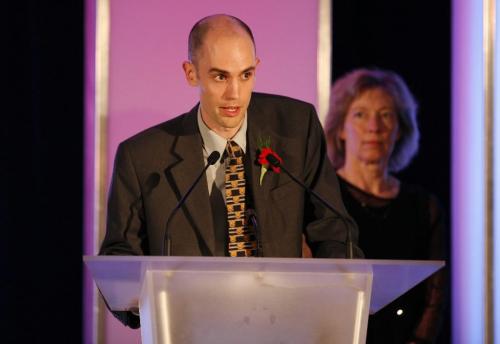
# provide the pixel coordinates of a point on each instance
(370, 128)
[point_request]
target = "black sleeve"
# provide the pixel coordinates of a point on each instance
(430, 323)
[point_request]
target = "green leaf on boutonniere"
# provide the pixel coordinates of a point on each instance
(264, 143)
(261, 144)
(263, 152)
(263, 171)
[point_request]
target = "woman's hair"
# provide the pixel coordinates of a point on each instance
(346, 89)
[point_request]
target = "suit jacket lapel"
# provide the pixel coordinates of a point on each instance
(258, 130)
(197, 210)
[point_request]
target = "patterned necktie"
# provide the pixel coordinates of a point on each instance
(242, 241)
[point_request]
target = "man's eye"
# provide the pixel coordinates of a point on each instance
(358, 114)
(247, 75)
(220, 77)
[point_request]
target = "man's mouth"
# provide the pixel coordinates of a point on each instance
(230, 110)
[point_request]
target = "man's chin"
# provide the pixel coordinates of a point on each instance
(232, 122)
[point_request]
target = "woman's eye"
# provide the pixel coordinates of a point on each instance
(387, 114)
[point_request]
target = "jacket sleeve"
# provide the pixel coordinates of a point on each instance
(326, 231)
(125, 225)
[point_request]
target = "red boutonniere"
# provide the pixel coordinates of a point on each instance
(264, 151)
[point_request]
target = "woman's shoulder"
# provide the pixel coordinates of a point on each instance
(423, 197)
(418, 191)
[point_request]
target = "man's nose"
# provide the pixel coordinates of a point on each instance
(232, 89)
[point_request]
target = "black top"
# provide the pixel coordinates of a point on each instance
(409, 226)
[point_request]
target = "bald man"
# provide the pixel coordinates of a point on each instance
(155, 168)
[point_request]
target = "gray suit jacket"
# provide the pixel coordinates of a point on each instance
(154, 168)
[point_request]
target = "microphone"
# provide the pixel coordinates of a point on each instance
(212, 159)
(252, 218)
(276, 163)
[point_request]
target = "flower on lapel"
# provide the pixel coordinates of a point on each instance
(264, 151)
(264, 162)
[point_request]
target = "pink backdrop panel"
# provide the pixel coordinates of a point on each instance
(148, 43)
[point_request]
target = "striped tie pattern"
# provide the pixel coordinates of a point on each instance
(242, 241)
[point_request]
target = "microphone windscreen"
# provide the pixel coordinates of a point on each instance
(213, 157)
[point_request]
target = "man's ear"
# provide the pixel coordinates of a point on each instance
(190, 73)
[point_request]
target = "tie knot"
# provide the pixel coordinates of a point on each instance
(233, 150)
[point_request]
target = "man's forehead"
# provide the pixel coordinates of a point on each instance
(216, 70)
(227, 52)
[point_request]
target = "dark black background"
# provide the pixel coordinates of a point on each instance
(412, 38)
(41, 173)
(42, 140)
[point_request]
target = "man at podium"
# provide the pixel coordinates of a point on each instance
(205, 184)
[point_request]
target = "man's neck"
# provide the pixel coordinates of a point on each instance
(227, 133)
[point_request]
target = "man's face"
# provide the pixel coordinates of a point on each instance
(224, 71)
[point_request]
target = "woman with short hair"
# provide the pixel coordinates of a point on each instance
(372, 133)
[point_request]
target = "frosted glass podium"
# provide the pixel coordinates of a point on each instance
(253, 300)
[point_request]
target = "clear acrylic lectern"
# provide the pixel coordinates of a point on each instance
(253, 300)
